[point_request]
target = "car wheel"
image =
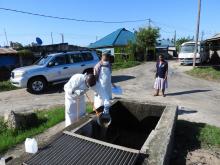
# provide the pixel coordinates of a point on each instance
(37, 85)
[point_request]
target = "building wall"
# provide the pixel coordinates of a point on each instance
(10, 62)
(7, 60)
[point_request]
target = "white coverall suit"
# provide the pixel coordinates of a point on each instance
(75, 104)
(104, 85)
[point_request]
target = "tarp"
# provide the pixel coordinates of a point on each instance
(118, 38)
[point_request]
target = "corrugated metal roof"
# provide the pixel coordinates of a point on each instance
(70, 149)
(120, 37)
(215, 37)
(7, 51)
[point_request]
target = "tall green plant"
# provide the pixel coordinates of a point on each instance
(131, 50)
(25, 53)
(182, 40)
(146, 39)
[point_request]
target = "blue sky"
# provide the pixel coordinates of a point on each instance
(169, 15)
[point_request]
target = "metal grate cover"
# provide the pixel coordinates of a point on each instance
(71, 149)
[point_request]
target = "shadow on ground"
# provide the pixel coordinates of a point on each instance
(186, 92)
(185, 110)
(51, 89)
(120, 78)
(185, 140)
(181, 112)
(55, 89)
(59, 87)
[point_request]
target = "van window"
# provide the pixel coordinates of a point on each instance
(75, 58)
(87, 56)
(187, 48)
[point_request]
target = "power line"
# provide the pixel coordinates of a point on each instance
(70, 19)
(161, 29)
(172, 27)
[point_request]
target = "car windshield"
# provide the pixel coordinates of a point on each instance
(43, 60)
(189, 48)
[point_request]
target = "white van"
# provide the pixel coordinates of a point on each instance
(187, 50)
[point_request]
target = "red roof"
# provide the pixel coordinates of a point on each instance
(7, 51)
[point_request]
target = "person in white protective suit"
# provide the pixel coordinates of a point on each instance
(75, 89)
(103, 73)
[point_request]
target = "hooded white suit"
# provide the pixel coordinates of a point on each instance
(75, 105)
(103, 86)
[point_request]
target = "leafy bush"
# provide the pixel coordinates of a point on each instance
(25, 53)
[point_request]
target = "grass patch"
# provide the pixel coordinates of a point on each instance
(198, 134)
(210, 136)
(89, 108)
(6, 86)
(208, 73)
(48, 118)
(190, 136)
(123, 65)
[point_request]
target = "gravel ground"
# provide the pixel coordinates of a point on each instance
(198, 99)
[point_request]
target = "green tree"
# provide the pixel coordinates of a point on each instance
(24, 54)
(146, 39)
(16, 45)
(182, 40)
(131, 50)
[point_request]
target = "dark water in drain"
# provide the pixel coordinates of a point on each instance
(130, 134)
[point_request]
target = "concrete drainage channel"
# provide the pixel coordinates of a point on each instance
(140, 133)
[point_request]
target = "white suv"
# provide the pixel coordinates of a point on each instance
(54, 69)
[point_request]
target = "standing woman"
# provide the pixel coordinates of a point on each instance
(161, 76)
(103, 74)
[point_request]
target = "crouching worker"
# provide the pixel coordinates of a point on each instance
(75, 89)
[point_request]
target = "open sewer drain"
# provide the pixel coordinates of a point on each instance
(122, 142)
(130, 127)
(130, 134)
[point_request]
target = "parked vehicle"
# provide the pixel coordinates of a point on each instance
(186, 53)
(53, 69)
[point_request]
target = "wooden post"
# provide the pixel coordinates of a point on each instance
(77, 107)
(20, 60)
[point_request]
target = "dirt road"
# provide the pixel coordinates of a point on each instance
(198, 99)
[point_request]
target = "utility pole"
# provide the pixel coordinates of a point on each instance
(51, 35)
(6, 38)
(197, 33)
(174, 39)
(149, 23)
(62, 36)
(202, 35)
